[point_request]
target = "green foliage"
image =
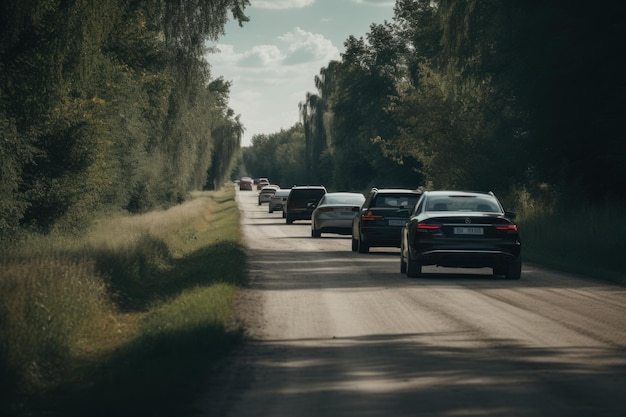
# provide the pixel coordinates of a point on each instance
(14, 152)
(480, 94)
(227, 134)
(279, 157)
(593, 247)
(107, 105)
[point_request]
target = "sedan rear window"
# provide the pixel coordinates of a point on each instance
(307, 194)
(463, 203)
(395, 201)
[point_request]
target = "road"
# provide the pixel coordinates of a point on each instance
(337, 333)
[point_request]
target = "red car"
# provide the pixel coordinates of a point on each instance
(245, 183)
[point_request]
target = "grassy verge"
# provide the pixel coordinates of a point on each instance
(579, 238)
(128, 320)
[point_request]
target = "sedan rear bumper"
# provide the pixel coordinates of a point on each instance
(466, 258)
(382, 237)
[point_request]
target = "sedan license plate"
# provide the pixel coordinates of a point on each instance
(397, 222)
(468, 230)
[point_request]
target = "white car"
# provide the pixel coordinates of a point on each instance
(266, 193)
(334, 213)
(278, 200)
(262, 182)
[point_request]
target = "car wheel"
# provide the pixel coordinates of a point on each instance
(500, 270)
(402, 261)
(355, 245)
(363, 247)
(315, 233)
(289, 220)
(514, 270)
(413, 268)
(270, 210)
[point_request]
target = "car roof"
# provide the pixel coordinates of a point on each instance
(342, 193)
(308, 186)
(395, 191)
(451, 193)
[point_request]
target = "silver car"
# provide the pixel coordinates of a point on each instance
(278, 200)
(266, 193)
(334, 213)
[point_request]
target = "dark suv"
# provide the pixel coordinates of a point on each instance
(380, 220)
(301, 202)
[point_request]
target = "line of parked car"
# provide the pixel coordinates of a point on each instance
(444, 228)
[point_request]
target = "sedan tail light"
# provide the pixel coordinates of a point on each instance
(425, 227)
(506, 227)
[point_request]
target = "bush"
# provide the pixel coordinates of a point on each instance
(52, 308)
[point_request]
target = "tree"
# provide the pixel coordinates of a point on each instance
(108, 105)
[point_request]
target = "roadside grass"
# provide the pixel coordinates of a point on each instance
(127, 320)
(579, 238)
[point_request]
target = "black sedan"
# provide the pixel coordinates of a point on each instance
(461, 229)
(379, 220)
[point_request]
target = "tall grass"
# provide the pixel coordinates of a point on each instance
(572, 236)
(122, 320)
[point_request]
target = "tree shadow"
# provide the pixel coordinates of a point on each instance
(509, 380)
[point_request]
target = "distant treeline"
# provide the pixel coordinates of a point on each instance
(498, 95)
(109, 104)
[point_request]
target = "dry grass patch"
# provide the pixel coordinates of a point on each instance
(82, 318)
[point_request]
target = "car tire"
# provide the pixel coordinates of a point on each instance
(402, 261)
(363, 247)
(284, 215)
(500, 270)
(315, 233)
(270, 210)
(514, 270)
(413, 268)
(289, 220)
(355, 245)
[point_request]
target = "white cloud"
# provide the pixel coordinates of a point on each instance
(306, 47)
(281, 4)
(257, 56)
(261, 56)
(295, 47)
(272, 77)
(376, 3)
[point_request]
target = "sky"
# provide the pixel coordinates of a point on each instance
(273, 59)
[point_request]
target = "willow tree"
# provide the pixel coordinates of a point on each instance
(226, 133)
(107, 103)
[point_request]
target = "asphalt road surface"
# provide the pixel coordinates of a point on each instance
(337, 333)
